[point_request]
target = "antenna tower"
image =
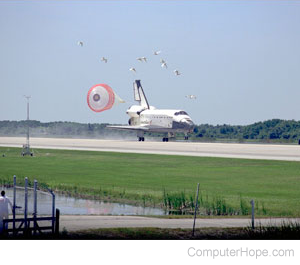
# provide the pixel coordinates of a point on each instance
(26, 147)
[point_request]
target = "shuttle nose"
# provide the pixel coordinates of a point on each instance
(188, 123)
(185, 123)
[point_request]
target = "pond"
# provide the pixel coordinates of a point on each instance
(73, 206)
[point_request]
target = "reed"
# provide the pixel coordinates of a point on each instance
(207, 205)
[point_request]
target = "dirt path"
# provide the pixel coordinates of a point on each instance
(80, 222)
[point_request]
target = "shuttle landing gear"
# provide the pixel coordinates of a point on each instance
(169, 135)
(140, 136)
(186, 137)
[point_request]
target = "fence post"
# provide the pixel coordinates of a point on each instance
(53, 212)
(26, 203)
(252, 213)
(53, 209)
(196, 206)
(57, 215)
(35, 206)
(14, 205)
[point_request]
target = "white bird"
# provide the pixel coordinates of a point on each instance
(176, 72)
(163, 63)
(132, 69)
(191, 96)
(103, 59)
(156, 52)
(141, 59)
(80, 43)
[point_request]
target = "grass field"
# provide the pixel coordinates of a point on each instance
(154, 179)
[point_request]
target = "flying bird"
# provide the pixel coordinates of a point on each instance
(191, 96)
(156, 52)
(103, 59)
(176, 72)
(132, 69)
(80, 43)
(163, 63)
(141, 59)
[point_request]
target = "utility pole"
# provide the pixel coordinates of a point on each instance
(196, 206)
(252, 213)
(26, 147)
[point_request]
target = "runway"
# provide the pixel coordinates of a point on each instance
(229, 150)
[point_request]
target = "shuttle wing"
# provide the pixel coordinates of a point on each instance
(129, 127)
(149, 128)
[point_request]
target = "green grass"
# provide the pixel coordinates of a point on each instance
(144, 179)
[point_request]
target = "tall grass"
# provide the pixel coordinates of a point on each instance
(182, 203)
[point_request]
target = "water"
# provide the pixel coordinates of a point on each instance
(70, 205)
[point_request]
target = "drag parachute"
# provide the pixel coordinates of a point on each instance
(101, 97)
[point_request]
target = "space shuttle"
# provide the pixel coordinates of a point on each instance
(146, 118)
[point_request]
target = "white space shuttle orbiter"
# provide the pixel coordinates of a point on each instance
(146, 118)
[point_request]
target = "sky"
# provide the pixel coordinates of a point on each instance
(240, 58)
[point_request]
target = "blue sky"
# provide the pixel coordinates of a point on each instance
(241, 58)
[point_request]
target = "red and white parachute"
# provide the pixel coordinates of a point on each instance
(101, 97)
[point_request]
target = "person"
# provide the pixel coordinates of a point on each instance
(4, 201)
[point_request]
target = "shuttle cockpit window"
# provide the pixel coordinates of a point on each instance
(180, 113)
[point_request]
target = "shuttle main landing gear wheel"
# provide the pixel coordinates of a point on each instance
(186, 136)
(140, 135)
(165, 139)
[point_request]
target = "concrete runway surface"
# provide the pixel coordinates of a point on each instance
(250, 151)
(81, 222)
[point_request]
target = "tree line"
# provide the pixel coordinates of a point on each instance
(270, 130)
(275, 129)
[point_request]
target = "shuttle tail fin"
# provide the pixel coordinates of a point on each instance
(139, 94)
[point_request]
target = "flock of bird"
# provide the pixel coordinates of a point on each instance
(162, 62)
(144, 59)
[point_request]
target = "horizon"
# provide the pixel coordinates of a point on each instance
(124, 123)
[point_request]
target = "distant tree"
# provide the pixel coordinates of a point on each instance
(90, 127)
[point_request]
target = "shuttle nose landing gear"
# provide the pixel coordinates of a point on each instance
(165, 139)
(141, 139)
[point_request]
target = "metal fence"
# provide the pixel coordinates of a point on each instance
(33, 210)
